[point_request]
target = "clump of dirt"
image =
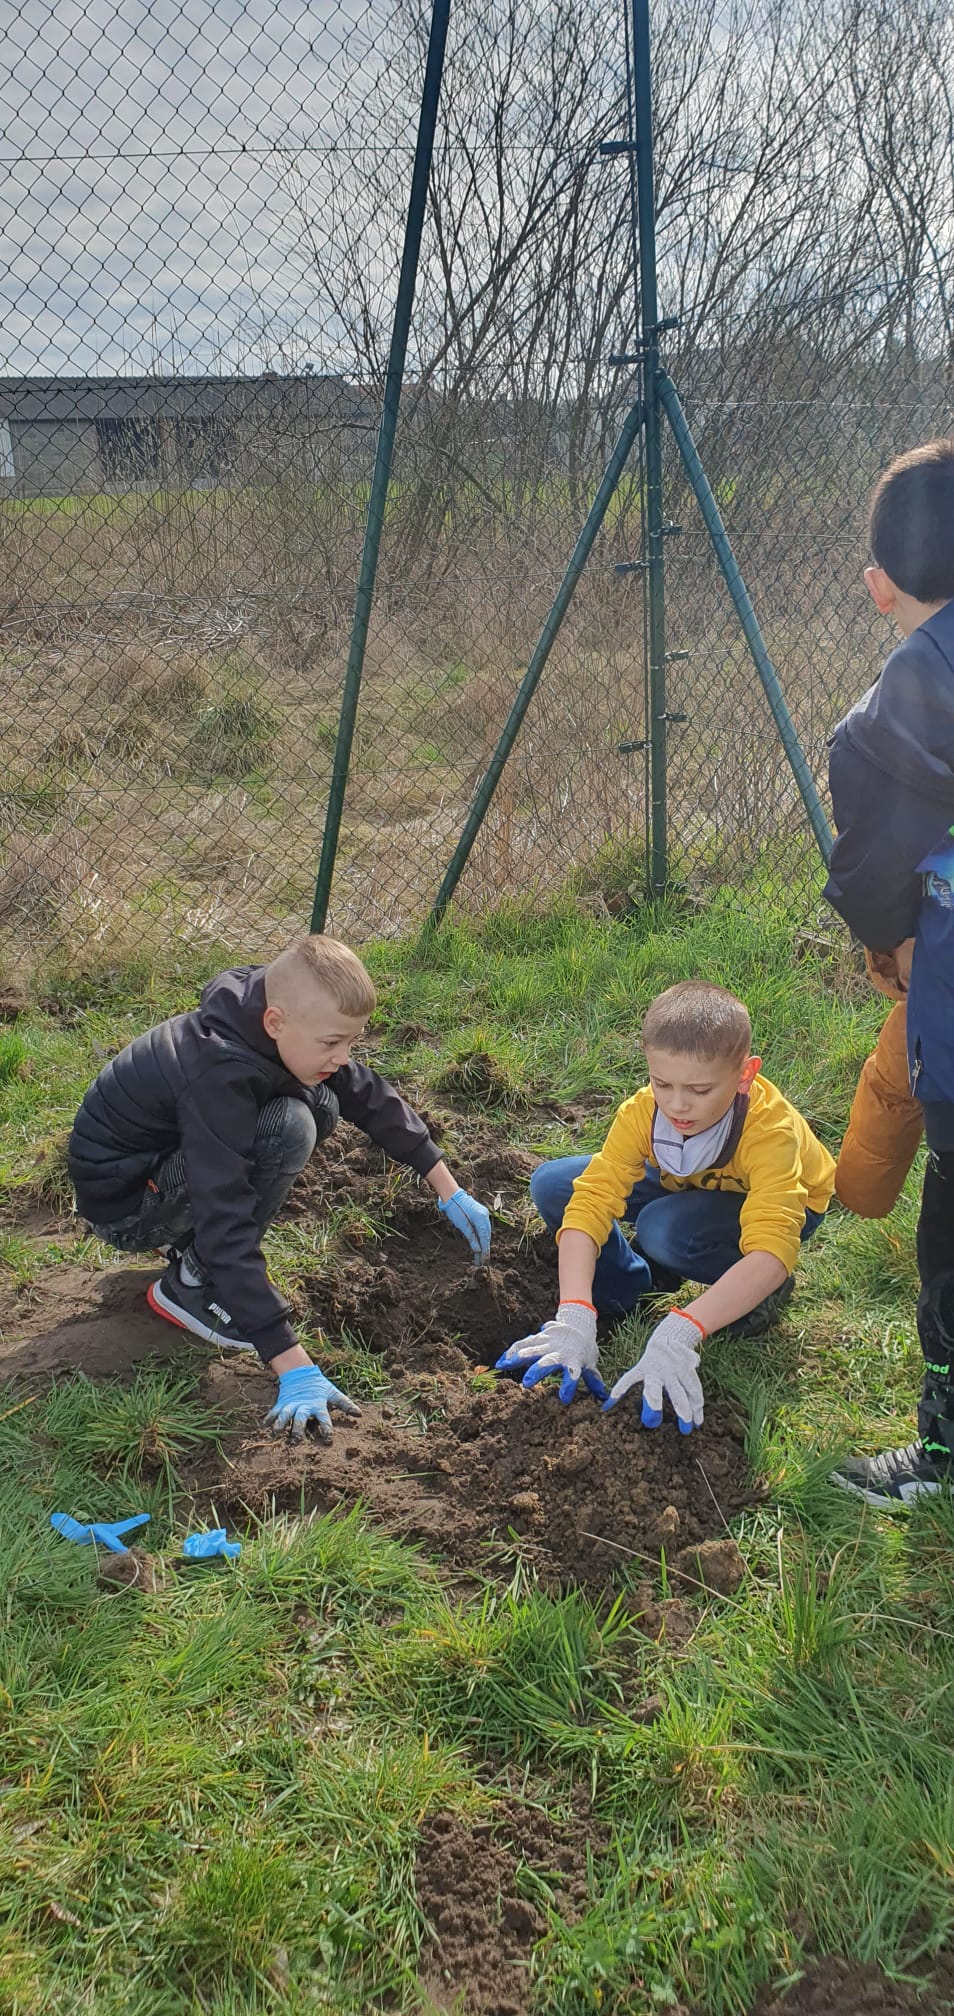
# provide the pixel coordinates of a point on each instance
(483, 1929)
(716, 1566)
(478, 1477)
(475, 1078)
(131, 1570)
(836, 1987)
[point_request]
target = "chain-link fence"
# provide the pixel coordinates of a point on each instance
(202, 223)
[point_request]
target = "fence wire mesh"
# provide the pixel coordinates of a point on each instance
(203, 211)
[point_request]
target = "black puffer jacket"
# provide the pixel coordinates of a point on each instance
(199, 1082)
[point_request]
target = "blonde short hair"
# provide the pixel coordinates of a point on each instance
(697, 1019)
(320, 962)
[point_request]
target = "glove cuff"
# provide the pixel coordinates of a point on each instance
(575, 1302)
(690, 1318)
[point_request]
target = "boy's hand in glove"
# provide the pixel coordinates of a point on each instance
(668, 1365)
(567, 1345)
(471, 1219)
(305, 1395)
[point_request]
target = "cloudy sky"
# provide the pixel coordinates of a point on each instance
(143, 223)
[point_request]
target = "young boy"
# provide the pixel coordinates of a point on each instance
(192, 1138)
(892, 878)
(722, 1179)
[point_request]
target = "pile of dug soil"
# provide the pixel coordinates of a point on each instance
(479, 1477)
(483, 1929)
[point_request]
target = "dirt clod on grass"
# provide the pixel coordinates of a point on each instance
(716, 1566)
(130, 1570)
(836, 1987)
(484, 1924)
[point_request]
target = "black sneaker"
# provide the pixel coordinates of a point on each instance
(765, 1313)
(897, 1478)
(194, 1309)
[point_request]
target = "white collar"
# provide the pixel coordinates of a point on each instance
(685, 1154)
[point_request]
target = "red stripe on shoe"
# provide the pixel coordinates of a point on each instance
(158, 1310)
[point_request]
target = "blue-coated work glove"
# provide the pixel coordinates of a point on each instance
(471, 1219)
(668, 1365)
(567, 1345)
(205, 1546)
(107, 1535)
(305, 1395)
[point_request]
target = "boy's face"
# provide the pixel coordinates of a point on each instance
(695, 1092)
(313, 1040)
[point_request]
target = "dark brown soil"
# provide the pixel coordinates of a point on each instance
(413, 1293)
(836, 1987)
(475, 1476)
(484, 1926)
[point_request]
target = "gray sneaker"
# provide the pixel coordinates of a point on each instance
(893, 1480)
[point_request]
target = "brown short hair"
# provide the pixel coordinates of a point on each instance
(319, 961)
(911, 526)
(696, 1019)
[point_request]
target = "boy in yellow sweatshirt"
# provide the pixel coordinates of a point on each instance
(723, 1181)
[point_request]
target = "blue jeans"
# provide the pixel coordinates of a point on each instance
(690, 1234)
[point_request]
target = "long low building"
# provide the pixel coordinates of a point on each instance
(84, 436)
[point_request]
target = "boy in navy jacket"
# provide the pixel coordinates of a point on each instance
(892, 878)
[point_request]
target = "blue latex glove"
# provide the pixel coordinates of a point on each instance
(471, 1219)
(106, 1535)
(204, 1546)
(305, 1395)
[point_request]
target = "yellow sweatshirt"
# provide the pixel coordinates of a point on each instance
(779, 1166)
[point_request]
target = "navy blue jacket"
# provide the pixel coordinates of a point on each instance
(198, 1082)
(891, 768)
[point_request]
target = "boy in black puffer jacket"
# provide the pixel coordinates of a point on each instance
(192, 1138)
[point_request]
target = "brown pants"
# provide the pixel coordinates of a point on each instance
(884, 1127)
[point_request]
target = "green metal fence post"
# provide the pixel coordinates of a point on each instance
(655, 572)
(746, 615)
(417, 207)
(528, 685)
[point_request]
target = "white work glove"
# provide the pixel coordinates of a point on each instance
(566, 1345)
(668, 1365)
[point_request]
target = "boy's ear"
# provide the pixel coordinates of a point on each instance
(882, 590)
(750, 1071)
(273, 1022)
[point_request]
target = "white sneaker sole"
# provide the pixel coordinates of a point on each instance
(894, 1501)
(173, 1312)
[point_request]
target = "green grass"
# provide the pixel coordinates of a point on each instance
(210, 1795)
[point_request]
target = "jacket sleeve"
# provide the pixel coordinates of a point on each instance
(773, 1212)
(884, 1128)
(884, 831)
(218, 1116)
(370, 1103)
(601, 1193)
(891, 770)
